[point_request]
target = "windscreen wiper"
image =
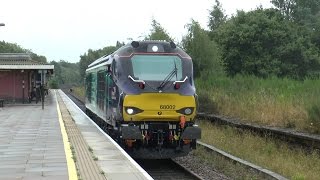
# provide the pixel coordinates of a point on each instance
(169, 77)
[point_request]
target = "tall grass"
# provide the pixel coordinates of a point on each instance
(272, 101)
(268, 153)
(79, 91)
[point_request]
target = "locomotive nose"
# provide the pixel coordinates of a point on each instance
(156, 106)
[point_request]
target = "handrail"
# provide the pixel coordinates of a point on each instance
(137, 81)
(181, 81)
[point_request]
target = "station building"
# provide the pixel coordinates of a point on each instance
(21, 78)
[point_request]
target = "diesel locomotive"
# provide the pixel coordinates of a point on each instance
(143, 95)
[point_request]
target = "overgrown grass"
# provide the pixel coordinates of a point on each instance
(269, 153)
(272, 101)
(79, 91)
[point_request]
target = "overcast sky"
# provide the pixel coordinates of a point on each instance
(66, 29)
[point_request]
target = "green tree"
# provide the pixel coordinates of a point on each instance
(202, 50)
(6, 47)
(217, 16)
(299, 11)
(53, 83)
(64, 73)
(38, 58)
(92, 55)
(286, 7)
(158, 32)
(263, 43)
(306, 16)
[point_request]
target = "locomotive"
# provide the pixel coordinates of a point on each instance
(143, 96)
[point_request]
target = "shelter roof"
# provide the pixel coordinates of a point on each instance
(21, 61)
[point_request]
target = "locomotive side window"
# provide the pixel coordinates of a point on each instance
(89, 86)
(101, 89)
(114, 69)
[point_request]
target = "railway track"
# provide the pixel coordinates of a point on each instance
(167, 169)
(308, 141)
(158, 169)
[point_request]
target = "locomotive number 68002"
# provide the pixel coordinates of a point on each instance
(167, 107)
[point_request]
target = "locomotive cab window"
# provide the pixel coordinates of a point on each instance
(156, 68)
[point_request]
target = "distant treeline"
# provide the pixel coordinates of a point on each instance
(283, 41)
(6, 47)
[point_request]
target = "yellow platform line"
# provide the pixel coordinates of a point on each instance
(72, 172)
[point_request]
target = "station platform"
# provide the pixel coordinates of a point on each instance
(38, 143)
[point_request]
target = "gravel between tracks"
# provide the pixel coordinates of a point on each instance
(194, 164)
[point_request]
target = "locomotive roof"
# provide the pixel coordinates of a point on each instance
(150, 46)
(147, 46)
(99, 61)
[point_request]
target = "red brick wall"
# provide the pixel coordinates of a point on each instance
(11, 84)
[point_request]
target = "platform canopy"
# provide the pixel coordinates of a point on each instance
(21, 61)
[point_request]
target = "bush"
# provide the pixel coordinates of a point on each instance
(206, 102)
(53, 83)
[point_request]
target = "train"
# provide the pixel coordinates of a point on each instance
(143, 95)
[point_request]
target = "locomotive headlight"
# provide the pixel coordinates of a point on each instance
(155, 48)
(130, 111)
(187, 111)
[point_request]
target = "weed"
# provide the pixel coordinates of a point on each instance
(206, 102)
(73, 152)
(90, 149)
(95, 158)
(74, 158)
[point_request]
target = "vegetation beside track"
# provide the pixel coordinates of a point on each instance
(223, 165)
(79, 91)
(271, 101)
(272, 154)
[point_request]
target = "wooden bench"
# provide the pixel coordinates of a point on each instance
(1, 102)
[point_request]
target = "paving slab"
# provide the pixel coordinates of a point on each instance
(31, 145)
